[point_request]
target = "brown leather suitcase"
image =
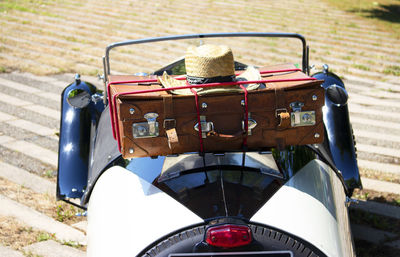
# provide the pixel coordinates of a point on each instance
(288, 111)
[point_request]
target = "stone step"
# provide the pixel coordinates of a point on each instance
(371, 83)
(313, 10)
(94, 30)
(375, 236)
(14, 101)
(8, 252)
(378, 150)
(382, 94)
(51, 248)
(27, 125)
(354, 71)
(40, 221)
(44, 57)
(44, 79)
(378, 208)
(30, 149)
(371, 101)
(55, 52)
(374, 91)
(63, 34)
(380, 114)
(275, 18)
(23, 63)
(27, 179)
(390, 126)
(81, 225)
(28, 89)
(376, 136)
(381, 186)
(377, 166)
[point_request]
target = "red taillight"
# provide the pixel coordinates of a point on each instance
(228, 236)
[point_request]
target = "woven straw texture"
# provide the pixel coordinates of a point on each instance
(208, 61)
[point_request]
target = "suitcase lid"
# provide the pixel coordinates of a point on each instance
(278, 75)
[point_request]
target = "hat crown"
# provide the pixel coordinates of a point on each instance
(208, 61)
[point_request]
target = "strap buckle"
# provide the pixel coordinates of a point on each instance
(169, 123)
(280, 110)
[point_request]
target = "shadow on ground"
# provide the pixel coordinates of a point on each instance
(367, 249)
(389, 12)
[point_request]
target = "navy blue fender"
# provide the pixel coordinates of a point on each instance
(80, 111)
(338, 128)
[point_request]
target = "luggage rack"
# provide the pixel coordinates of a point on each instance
(305, 48)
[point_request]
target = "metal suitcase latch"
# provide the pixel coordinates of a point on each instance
(251, 125)
(146, 129)
(205, 126)
(300, 118)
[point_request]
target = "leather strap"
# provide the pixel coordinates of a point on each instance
(283, 116)
(172, 138)
(284, 120)
(281, 112)
(170, 122)
(168, 108)
(280, 143)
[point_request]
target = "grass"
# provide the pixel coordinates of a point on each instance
(14, 5)
(43, 203)
(16, 235)
(392, 70)
(381, 197)
(49, 174)
(373, 174)
(65, 212)
(44, 236)
(82, 42)
(386, 13)
(361, 67)
(29, 6)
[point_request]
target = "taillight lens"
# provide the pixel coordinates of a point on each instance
(228, 236)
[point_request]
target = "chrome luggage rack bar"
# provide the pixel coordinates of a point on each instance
(305, 49)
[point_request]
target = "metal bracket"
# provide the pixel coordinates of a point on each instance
(296, 106)
(146, 129)
(205, 126)
(300, 118)
(251, 125)
(349, 201)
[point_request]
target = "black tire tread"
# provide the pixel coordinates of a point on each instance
(283, 242)
(185, 240)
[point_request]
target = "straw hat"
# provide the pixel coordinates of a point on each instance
(209, 64)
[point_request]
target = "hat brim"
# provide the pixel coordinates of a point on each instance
(251, 74)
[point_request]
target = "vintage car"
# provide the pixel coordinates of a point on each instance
(290, 201)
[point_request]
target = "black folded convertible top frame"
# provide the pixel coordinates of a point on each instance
(305, 64)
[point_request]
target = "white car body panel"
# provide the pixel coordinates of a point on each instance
(311, 205)
(124, 218)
